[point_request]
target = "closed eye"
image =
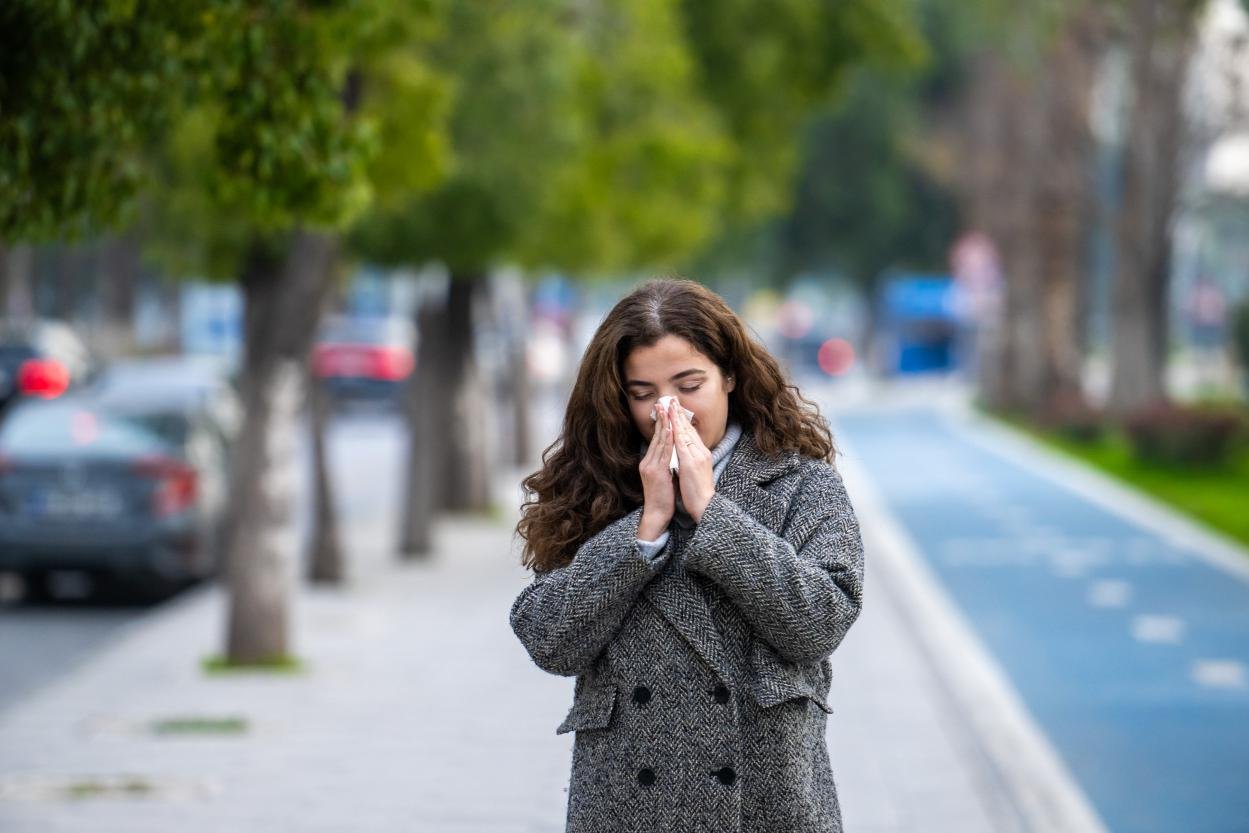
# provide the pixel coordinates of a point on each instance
(642, 397)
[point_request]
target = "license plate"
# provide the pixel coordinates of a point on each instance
(74, 504)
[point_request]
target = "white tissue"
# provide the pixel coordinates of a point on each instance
(663, 403)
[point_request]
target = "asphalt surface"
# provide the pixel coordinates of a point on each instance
(1129, 649)
(38, 643)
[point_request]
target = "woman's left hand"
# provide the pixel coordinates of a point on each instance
(695, 475)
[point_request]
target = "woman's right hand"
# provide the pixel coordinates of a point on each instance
(658, 486)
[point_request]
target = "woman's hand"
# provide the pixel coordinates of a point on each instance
(697, 480)
(658, 490)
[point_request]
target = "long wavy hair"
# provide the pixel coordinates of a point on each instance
(589, 475)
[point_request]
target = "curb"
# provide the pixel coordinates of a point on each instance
(1019, 767)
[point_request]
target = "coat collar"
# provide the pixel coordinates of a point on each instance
(748, 471)
(680, 596)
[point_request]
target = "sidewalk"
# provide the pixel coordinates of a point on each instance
(420, 711)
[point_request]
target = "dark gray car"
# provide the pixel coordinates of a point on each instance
(125, 481)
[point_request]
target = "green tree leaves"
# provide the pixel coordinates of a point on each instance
(765, 66)
(584, 135)
(83, 92)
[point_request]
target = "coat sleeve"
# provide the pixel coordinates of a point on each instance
(567, 616)
(801, 592)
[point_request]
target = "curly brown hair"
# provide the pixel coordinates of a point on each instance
(589, 475)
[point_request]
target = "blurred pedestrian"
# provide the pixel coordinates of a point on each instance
(697, 609)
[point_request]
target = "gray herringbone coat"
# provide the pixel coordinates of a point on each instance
(702, 677)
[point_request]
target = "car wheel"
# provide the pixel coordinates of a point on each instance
(36, 589)
(138, 589)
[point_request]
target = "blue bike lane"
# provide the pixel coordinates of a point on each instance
(1129, 649)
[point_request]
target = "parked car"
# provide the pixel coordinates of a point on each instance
(364, 357)
(174, 392)
(125, 481)
(40, 359)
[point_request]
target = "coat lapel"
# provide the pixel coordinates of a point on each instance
(676, 593)
(683, 603)
(743, 479)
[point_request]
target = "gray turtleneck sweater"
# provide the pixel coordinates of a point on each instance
(719, 462)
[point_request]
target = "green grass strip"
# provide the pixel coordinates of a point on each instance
(200, 726)
(219, 665)
(1217, 495)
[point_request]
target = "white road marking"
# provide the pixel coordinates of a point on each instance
(1073, 561)
(1220, 673)
(1109, 593)
(1167, 630)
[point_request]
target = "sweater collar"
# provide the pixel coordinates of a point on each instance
(720, 454)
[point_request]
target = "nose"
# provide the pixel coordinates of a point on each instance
(676, 400)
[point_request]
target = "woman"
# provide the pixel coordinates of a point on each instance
(696, 610)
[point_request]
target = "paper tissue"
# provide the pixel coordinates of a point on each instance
(663, 403)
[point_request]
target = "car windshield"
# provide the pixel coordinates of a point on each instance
(366, 330)
(77, 429)
(171, 426)
(172, 383)
(142, 400)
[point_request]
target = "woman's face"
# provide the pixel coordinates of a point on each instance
(673, 367)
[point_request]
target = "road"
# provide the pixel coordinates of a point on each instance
(1129, 647)
(39, 643)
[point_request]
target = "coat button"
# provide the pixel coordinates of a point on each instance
(641, 695)
(726, 775)
(721, 694)
(646, 776)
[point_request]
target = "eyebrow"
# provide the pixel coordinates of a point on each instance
(632, 383)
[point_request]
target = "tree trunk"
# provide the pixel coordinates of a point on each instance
(1029, 178)
(281, 312)
(423, 472)
(325, 552)
(516, 311)
(17, 296)
(869, 332)
(1065, 205)
(1024, 122)
(467, 446)
(989, 107)
(447, 414)
(69, 261)
(1160, 43)
(121, 273)
(522, 396)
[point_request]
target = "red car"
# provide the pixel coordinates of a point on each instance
(364, 357)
